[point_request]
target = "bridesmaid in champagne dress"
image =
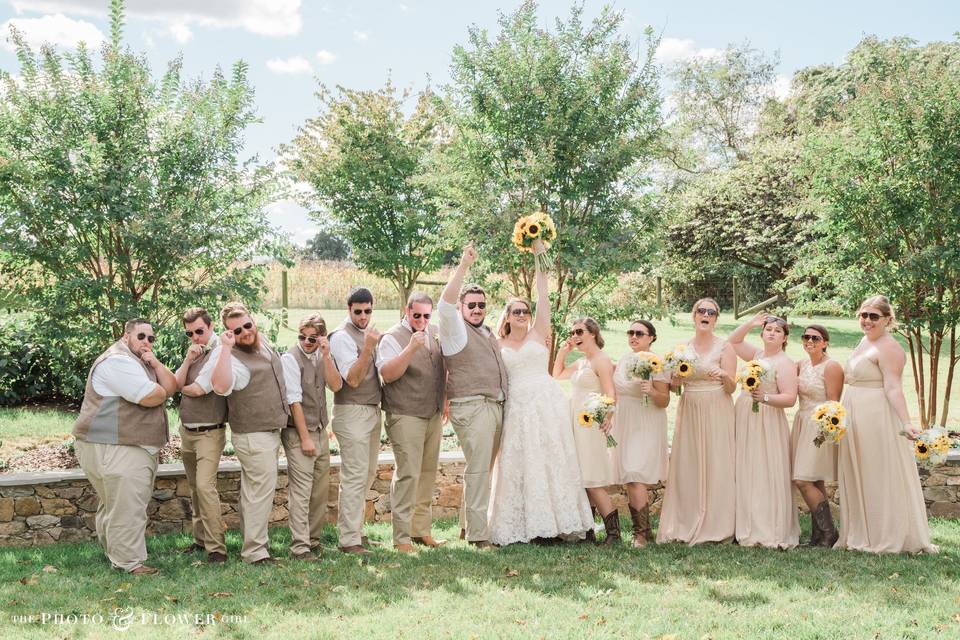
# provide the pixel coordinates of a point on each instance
(881, 502)
(640, 429)
(821, 380)
(699, 503)
(591, 374)
(766, 516)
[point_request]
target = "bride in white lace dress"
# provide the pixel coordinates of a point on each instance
(537, 491)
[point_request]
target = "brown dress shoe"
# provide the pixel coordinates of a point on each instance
(215, 557)
(194, 547)
(429, 541)
(355, 548)
(463, 534)
(144, 570)
(404, 548)
(306, 555)
(265, 561)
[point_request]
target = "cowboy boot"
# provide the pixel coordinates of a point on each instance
(611, 522)
(816, 534)
(641, 526)
(591, 535)
(824, 520)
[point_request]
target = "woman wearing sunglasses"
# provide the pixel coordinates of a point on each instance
(640, 429)
(820, 380)
(881, 503)
(766, 516)
(591, 374)
(699, 503)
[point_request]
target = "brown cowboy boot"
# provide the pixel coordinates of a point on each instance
(641, 526)
(816, 534)
(824, 520)
(611, 523)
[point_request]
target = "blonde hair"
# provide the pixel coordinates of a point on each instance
(696, 305)
(233, 310)
(883, 304)
(314, 321)
(503, 324)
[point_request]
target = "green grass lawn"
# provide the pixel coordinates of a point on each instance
(521, 591)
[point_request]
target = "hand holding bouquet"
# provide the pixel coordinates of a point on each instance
(829, 417)
(641, 366)
(750, 377)
(529, 229)
(932, 446)
(681, 362)
(594, 413)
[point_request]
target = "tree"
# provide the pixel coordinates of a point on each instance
(563, 122)
(122, 196)
(368, 164)
(326, 246)
(886, 164)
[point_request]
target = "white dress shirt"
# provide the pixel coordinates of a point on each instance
(389, 348)
(291, 373)
(122, 375)
(241, 374)
(344, 351)
(452, 328)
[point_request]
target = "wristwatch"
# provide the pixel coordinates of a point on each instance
(766, 398)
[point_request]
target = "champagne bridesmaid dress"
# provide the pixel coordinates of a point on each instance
(640, 429)
(810, 462)
(699, 503)
(595, 467)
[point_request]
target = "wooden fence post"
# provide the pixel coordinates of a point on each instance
(284, 298)
(659, 296)
(736, 300)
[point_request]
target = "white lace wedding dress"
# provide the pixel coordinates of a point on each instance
(536, 492)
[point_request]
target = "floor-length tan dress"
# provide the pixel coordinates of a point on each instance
(881, 502)
(595, 466)
(810, 462)
(699, 503)
(640, 429)
(766, 516)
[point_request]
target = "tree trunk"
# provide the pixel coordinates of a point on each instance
(950, 369)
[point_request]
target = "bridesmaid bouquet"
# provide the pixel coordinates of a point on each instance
(594, 411)
(750, 377)
(536, 226)
(829, 416)
(681, 362)
(642, 366)
(932, 446)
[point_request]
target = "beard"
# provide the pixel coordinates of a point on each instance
(250, 348)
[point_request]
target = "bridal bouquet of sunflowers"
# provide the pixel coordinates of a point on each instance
(932, 446)
(750, 377)
(595, 410)
(529, 229)
(680, 362)
(829, 417)
(641, 366)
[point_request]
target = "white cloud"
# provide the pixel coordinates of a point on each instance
(677, 49)
(325, 57)
(57, 30)
(181, 32)
(291, 66)
(263, 17)
(361, 36)
(403, 7)
(292, 219)
(781, 87)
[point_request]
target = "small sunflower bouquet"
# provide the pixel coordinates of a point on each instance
(680, 362)
(932, 447)
(641, 366)
(595, 410)
(533, 227)
(750, 377)
(830, 418)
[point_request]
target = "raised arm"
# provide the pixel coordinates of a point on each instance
(451, 292)
(560, 370)
(194, 351)
(736, 339)
(541, 323)
(222, 377)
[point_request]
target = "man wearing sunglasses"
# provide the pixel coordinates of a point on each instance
(476, 388)
(308, 370)
(248, 372)
(203, 435)
(413, 374)
(356, 415)
(119, 432)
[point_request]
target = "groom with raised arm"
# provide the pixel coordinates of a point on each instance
(476, 389)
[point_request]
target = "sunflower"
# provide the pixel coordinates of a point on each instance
(684, 369)
(585, 419)
(921, 450)
(533, 230)
(751, 382)
(835, 421)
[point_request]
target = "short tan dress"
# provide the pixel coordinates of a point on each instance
(596, 469)
(881, 502)
(699, 503)
(810, 462)
(766, 516)
(640, 429)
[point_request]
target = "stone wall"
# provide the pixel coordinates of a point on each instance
(59, 506)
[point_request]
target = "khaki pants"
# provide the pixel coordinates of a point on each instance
(201, 452)
(122, 476)
(416, 449)
(478, 424)
(257, 453)
(308, 488)
(357, 427)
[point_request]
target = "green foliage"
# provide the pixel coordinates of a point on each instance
(368, 165)
(326, 246)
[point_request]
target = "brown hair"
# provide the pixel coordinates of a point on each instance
(649, 326)
(233, 310)
(592, 326)
(696, 305)
(471, 288)
(822, 330)
(193, 313)
(780, 322)
(314, 321)
(503, 326)
(418, 297)
(133, 323)
(883, 304)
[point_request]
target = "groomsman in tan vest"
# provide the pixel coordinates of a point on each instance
(308, 369)
(121, 428)
(476, 389)
(203, 435)
(414, 377)
(248, 372)
(356, 415)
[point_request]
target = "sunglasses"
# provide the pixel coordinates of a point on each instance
(811, 338)
(578, 332)
(189, 334)
(519, 312)
(874, 317)
(310, 339)
(704, 311)
(473, 305)
(149, 338)
(362, 312)
(638, 334)
(417, 316)
(246, 325)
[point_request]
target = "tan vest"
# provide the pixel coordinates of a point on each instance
(477, 370)
(208, 409)
(113, 420)
(369, 390)
(262, 404)
(312, 380)
(419, 391)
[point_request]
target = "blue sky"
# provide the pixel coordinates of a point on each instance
(292, 44)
